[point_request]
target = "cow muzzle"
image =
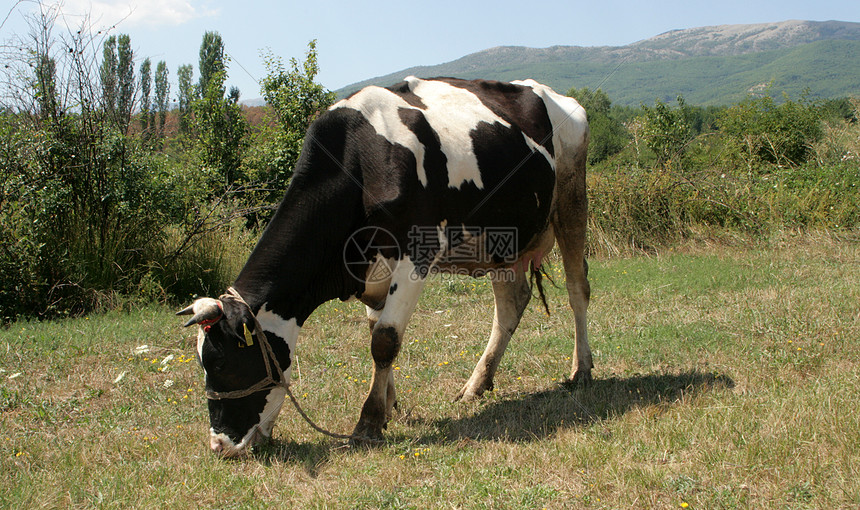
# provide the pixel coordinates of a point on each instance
(221, 444)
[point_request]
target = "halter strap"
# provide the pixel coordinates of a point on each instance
(267, 383)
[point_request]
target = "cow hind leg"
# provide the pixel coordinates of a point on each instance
(571, 242)
(385, 343)
(570, 219)
(511, 294)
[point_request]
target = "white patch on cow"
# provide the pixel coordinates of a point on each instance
(399, 306)
(569, 122)
(534, 146)
(452, 112)
(372, 313)
(443, 239)
(287, 329)
(201, 337)
(222, 443)
(380, 107)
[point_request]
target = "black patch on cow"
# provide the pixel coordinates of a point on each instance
(517, 104)
(393, 289)
(231, 365)
(321, 208)
(510, 193)
(384, 346)
(402, 89)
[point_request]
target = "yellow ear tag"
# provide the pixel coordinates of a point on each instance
(249, 338)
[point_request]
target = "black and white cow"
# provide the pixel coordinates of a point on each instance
(392, 185)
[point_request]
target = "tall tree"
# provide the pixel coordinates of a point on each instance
(108, 75)
(125, 80)
(220, 126)
(146, 115)
(162, 96)
(211, 62)
(117, 78)
(186, 97)
(46, 93)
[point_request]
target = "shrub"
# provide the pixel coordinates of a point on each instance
(667, 131)
(760, 131)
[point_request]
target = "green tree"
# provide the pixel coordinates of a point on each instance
(108, 75)
(146, 107)
(117, 80)
(212, 65)
(667, 131)
(220, 126)
(125, 80)
(186, 97)
(46, 89)
(296, 99)
(608, 135)
(162, 96)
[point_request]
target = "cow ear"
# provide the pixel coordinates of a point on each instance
(240, 320)
(203, 311)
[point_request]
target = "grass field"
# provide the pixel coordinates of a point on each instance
(725, 377)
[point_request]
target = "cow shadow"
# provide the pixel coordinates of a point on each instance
(535, 416)
(311, 456)
(522, 418)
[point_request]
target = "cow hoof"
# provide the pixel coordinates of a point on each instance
(467, 395)
(581, 378)
(366, 434)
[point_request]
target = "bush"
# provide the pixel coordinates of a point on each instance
(80, 215)
(645, 208)
(760, 131)
(667, 131)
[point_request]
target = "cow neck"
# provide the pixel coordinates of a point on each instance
(298, 262)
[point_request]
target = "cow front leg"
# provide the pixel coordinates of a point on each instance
(511, 294)
(385, 343)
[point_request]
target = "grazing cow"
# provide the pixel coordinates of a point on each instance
(393, 184)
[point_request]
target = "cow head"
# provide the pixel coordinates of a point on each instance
(242, 407)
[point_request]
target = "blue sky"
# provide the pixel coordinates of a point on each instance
(360, 40)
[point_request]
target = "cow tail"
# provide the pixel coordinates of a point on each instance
(537, 274)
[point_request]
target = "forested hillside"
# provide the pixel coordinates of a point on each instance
(709, 65)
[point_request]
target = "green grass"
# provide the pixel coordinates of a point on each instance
(725, 378)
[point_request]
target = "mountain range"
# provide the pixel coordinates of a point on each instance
(717, 65)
